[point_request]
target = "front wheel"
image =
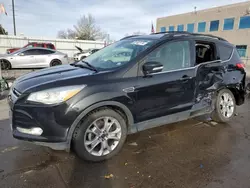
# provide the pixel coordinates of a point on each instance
(5, 65)
(100, 136)
(225, 106)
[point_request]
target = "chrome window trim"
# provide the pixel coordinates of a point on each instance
(196, 66)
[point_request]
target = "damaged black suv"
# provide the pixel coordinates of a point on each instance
(137, 83)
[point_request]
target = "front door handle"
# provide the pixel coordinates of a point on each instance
(186, 77)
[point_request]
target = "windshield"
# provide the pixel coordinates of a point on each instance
(118, 54)
(17, 51)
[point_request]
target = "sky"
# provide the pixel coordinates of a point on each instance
(44, 18)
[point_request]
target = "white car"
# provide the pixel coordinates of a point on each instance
(84, 53)
(33, 58)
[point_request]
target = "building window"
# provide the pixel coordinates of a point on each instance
(244, 22)
(228, 24)
(201, 26)
(214, 25)
(190, 28)
(163, 29)
(171, 28)
(180, 28)
(241, 50)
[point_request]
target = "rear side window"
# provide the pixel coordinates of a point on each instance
(39, 45)
(50, 46)
(30, 52)
(225, 52)
(241, 50)
(44, 52)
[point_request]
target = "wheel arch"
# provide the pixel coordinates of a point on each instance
(239, 96)
(237, 90)
(116, 106)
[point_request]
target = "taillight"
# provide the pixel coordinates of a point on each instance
(240, 65)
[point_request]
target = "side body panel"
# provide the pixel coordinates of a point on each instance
(165, 93)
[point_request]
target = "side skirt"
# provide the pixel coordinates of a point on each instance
(173, 118)
(162, 121)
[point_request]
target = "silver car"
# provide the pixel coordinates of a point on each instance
(33, 58)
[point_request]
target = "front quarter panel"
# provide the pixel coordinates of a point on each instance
(113, 91)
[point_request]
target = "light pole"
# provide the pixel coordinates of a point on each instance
(14, 19)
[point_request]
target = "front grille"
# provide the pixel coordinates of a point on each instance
(23, 119)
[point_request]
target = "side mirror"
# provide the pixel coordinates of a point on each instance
(152, 67)
(21, 54)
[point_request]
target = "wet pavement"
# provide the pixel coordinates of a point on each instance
(191, 154)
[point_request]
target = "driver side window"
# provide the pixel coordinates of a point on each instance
(30, 52)
(173, 55)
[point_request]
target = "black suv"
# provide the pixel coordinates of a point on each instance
(92, 105)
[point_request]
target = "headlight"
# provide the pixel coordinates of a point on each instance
(56, 95)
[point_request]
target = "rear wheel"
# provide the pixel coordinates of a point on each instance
(55, 62)
(5, 65)
(100, 136)
(225, 106)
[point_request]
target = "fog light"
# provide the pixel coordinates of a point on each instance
(34, 131)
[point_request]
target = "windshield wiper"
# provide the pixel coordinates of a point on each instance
(90, 66)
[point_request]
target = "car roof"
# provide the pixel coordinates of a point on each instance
(153, 37)
(39, 48)
(40, 43)
(175, 34)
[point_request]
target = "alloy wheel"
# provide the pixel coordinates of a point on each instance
(102, 136)
(226, 105)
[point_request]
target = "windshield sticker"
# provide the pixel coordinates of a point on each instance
(141, 43)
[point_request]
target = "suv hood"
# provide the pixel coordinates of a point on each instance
(53, 76)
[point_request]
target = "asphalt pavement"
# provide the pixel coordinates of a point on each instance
(193, 153)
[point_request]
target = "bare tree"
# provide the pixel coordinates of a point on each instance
(136, 33)
(85, 29)
(139, 33)
(67, 34)
(2, 31)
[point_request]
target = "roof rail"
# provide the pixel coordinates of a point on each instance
(173, 33)
(207, 35)
(129, 36)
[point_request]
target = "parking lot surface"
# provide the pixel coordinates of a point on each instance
(193, 153)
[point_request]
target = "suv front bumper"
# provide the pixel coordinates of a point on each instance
(54, 121)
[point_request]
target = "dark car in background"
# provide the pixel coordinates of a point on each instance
(92, 105)
(33, 44)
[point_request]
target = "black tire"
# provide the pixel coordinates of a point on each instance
(5, 65)
(55, 62)
(83, 57)
(217, 114)
(79, 134)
